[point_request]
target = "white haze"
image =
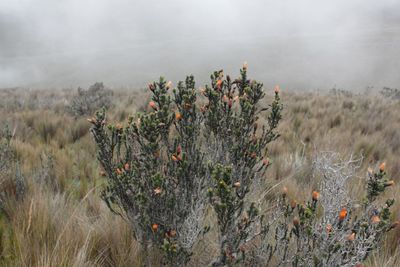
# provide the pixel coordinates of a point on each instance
(298, 44)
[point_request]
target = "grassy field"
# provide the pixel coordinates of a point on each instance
(56, 218)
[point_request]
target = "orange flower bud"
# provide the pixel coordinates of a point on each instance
(153, 105)
(178, 116)
(237, 184)
(169, 85)
(266, 162)
(296, 221)
(382, 167)
(245, 65)
(293, 204)
(389, 183)
(178, 149)
(126, 166)
(154, 227)
(315, 195)
(118, 171)
(342, 214)
(225, 99)
(351, 237)
(277, 89)
(219, 84)
(236, 98)
(157, 191)
(119, 126)
(171, 233)
(174, 158)
(329, 228)
(284, 191)
(375, 219)
(395, 224)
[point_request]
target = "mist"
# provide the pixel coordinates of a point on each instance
(297, 44)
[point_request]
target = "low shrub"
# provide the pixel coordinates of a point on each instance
(86, 102)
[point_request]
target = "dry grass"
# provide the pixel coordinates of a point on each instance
(69, 225)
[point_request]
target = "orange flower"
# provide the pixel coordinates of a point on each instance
(375, 219)
(126, 166)
(342, 214)
(237, 184)
(351, 237)
(277, 89)
(219, 84)
(153, 105)
(174, 158)
(382, 166)
(315, 195)
(329, 228)
(178, 116)
(154, 227)
(157, 191)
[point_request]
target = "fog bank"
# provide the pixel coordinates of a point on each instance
(297, 44)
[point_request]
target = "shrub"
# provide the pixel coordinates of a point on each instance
(331, 229)
(12, 183)
(161, 164)
(391, 93)
(86, 102)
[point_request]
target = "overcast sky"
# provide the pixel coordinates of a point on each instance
(297, 44)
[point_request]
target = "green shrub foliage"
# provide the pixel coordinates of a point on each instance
(190, 148)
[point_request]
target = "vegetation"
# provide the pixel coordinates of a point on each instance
(306, 206)
(86, 102)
